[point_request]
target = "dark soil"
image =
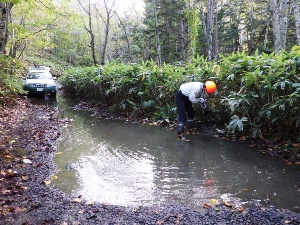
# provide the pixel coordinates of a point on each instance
(28, 134)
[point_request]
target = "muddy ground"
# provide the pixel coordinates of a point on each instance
(28, 135)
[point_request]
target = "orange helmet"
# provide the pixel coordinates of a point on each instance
(210, 87)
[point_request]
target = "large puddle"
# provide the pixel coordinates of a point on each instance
(132, 164)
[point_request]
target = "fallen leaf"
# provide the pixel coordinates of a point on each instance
(242, 138)
(227, 204)
(296, 145)
(54, 177)
(90, 203)
(4, 191)
(3, 173)
(47, 182)
(11, 173)
(77, 200)
(25, 177)
(213, 201)
(12, 141)
(206, 205)
(241, 209)
(27, 161)
(18, 210)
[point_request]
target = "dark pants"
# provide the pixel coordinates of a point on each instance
(184, 106)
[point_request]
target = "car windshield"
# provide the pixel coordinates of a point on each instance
(39, 75)
(39, 68)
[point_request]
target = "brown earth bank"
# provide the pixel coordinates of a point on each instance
(28, 136)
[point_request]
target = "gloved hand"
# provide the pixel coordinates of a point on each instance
(203, 103)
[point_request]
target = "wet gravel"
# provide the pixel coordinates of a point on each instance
(28, 135)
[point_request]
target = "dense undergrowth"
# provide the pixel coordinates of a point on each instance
(11, 84)
(258, 95)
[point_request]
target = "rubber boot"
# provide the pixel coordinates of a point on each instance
(189, 125)
(180, 132)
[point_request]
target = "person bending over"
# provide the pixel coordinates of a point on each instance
(188, 94)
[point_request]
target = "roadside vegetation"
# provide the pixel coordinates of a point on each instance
(10, 78)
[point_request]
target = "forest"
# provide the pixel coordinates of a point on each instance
(86, 32)
(134, 60)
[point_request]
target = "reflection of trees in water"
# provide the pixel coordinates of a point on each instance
(190, 172)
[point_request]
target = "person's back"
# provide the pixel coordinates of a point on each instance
(187, 94)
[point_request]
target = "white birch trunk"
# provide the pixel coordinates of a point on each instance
(157, 38)
(297, 19)
(280, 23)
(266, 35)
(283, 21)
(209, 29)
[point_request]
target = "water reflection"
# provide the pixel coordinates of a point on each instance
(132, 164)
(43, 100)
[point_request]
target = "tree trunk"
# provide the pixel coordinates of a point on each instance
(266, 34)
(5, 13)
(276, 28)
(184, 41)
(109, 13)
(216, 47)
(157, 39)
(127, 36)
(192, 17)
(251, 38)
(297, 19)
(284, 20)
(105, 40)
(280, 23)
(90, 30)
(209, 29)
(204, 31)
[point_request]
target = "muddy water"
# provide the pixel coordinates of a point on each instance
(122, 163)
